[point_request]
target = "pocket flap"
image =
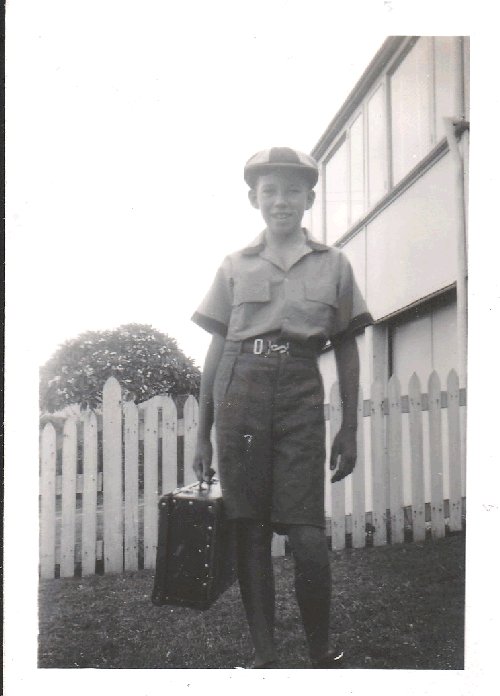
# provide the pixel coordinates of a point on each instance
(252, 291)
(320, 292)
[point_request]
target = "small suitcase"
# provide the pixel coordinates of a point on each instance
(196, 555)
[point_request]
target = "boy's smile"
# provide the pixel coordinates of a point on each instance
(282, 197)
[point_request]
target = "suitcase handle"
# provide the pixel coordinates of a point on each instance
(210, 481)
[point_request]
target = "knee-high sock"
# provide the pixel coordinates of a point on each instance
(255, 575)
(312, 584)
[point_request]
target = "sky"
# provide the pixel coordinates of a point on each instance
(128, 125)
(131, 132)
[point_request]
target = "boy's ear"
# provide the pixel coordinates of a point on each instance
(311, 197)
(252, 197)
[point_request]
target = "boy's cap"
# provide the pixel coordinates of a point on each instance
(280, 158)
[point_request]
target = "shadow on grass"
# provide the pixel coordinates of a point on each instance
(394, 607)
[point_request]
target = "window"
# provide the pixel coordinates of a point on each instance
(336, 193)
(357, 178)
(345, 183)
(411, 109)
(446, 75)
(377, 147)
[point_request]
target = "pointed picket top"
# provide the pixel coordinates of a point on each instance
(414, 387)
(436, 456)
(112, 476)
(378, 463)
(111, 390)
(377, 395)
(394, 392)
(68, 503)
(434, 387)
(454, 451)
(191, 411)
(48, 438)
(48, 502)
(453, 382)
(150, 481)
(169, 409)
(395, 460)
(89, 497)
(169, 444)
(358, 516)
(417, 457)
(131, 506)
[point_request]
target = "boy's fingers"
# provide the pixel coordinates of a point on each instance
(345, 468)
(334, 457)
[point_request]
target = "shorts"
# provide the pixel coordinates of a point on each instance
(270, 430)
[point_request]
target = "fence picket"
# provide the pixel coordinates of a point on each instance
(131, 514)
(455, 469)
(436, 457)
(379, 469)
(48, 503)
(89, 494)
(358, 484)
(122, 518)
(112, 476)
(337, 490)
(394, 448)
(68, 504)
(278, 545)
(150, 483)
(190, 430)
(169, 444)
(417, 458)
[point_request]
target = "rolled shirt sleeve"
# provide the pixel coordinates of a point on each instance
(352, 313)
(214, 312)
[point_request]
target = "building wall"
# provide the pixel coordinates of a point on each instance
(410, 250)
(386, 196)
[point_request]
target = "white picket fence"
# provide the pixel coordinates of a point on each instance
(108, 513)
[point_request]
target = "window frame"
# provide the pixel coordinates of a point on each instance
(431, 119)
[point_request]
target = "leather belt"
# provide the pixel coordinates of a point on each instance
(274, 347)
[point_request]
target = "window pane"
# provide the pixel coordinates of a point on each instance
(446, 71)
(410, 109)
(377, 147)
(357, 192)
(336, 192)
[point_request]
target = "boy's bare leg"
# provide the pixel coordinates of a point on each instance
(312, 584)
(255, 575)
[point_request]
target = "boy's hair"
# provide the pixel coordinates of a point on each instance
(278, 159)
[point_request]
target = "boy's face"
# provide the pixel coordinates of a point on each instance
(282, 197)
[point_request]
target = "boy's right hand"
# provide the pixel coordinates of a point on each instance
(203, 460)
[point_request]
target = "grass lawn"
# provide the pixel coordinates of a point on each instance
(394, 607)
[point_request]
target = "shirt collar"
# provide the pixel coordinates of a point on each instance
(259, 244)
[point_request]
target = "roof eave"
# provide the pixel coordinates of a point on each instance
(390, 46)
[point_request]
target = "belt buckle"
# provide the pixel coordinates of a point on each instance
(282, 348)
(258, 346)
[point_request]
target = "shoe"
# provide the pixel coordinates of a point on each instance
(332, 660)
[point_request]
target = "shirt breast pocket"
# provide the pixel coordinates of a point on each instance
(320, 292)
(251, 291)
(320, 307)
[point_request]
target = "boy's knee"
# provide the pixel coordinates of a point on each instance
(308, 544)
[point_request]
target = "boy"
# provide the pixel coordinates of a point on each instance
(271, 309)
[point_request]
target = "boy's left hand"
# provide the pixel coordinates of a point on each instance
(344, 451)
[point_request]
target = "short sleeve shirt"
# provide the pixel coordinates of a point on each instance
(316, 299)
